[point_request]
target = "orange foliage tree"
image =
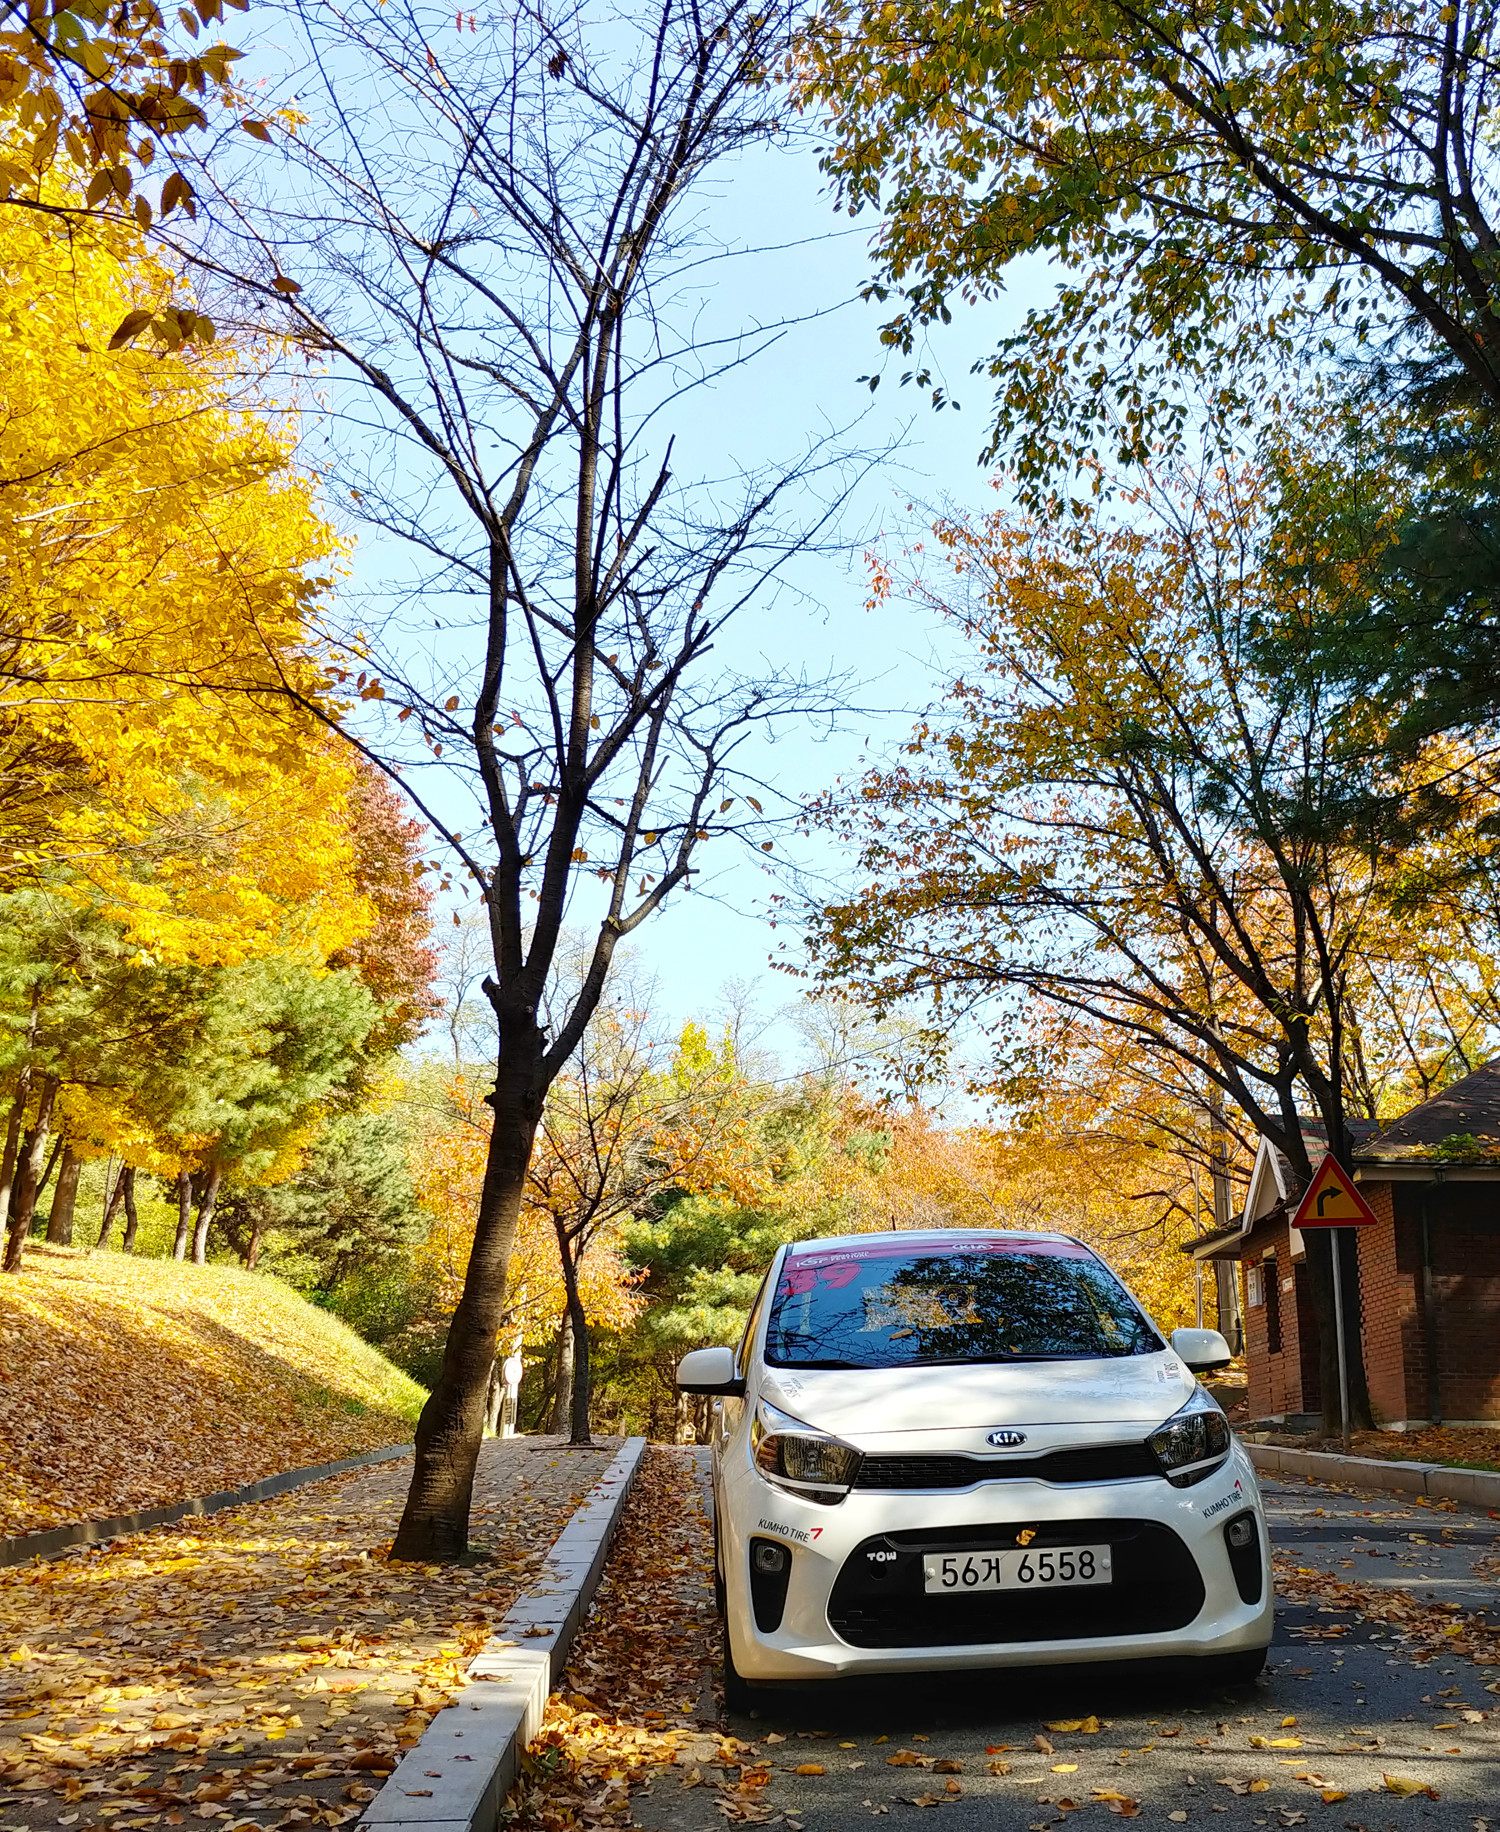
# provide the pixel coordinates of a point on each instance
(1123, 816)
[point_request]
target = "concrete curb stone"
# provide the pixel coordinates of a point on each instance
(1478, 1488)
(57, 1540)
(457, 1777)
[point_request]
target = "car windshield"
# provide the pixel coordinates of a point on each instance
(891, 1307)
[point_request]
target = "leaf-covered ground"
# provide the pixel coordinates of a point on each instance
(1427, 1629)
(1369, 1718)
(637, 1694)
(1460, 1447)
(266, 1668)
(128, 1384)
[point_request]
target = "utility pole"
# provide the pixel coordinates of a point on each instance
(1197, 1232)
(1231, 1324)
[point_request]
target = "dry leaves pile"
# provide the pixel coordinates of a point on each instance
(1465, 1449)
(635, 1696)
(267, 1668)
(128, 1384)
(1430, 1628)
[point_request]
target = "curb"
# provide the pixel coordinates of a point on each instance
(457, 1776)
(93, 1532)
(1479, 1488)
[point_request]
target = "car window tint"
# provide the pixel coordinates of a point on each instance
(892, 1307)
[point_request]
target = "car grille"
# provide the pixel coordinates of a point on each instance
(1095, 1463)
(880, 1602)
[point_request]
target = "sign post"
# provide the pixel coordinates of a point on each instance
(1333, 1202)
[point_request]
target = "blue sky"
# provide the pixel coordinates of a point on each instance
(811, 259)
(802, 260)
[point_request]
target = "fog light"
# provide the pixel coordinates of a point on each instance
(770, 1577)
(1242, 1543)
(769, 1558)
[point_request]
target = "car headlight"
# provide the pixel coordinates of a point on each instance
(1193, 1442)
(803, 1461)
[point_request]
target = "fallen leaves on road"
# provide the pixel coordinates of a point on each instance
(1404, 1786)
(1430, 1628)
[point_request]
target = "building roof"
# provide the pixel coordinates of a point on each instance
(1459, 1125)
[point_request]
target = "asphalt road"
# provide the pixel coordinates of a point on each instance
(1336, 1715)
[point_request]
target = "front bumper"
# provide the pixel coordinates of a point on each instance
(854, 1602)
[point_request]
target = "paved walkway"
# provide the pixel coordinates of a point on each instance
(263, 1667)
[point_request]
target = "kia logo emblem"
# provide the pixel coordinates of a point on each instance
(1006, 1440)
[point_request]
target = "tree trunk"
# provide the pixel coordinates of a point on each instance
(582, 1389)
(494, 1400)
(44, 1180)
(435, 1524)
(132, 1220)
(561, 1422)
(206, 1207)
(13, 1130)
(578, 1335)
(12, 1150)
(184, 1214)
(113, 1195)
(252, 1252)
(64, 1199)
(23, 1204)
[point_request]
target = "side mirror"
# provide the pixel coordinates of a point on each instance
(1202, 1349)
(709, 1371)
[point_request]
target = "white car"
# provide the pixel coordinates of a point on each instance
(958, 1448)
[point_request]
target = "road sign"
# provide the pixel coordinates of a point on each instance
(1332, 1201)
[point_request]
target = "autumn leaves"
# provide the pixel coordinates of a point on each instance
(159, 1383)
(264, 1670)
(193, 867)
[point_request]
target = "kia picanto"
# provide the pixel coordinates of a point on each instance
(959, 1449)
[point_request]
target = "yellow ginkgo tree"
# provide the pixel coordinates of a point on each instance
(159, 562)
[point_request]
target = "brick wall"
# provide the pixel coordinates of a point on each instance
(1285, 1381)
(1390, 1314)
(1464, 1219)
(1464, 1222)
(1309, 1379)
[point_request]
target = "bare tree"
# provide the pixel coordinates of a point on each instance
(483, 234)
(632, 1117)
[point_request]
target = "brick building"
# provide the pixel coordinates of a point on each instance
(1429, 1271)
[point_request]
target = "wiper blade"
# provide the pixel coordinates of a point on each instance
(823, 1364)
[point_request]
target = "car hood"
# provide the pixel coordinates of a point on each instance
(1133, 1389)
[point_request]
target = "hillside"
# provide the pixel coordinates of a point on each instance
(133, 1383)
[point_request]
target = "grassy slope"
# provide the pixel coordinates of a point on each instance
(131, 1383)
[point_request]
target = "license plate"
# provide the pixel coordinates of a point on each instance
(952, 1572)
